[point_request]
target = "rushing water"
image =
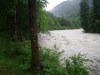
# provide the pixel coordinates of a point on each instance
(74, 42)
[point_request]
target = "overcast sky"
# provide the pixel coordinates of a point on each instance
(53, 3)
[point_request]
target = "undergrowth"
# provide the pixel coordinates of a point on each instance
(16, 58)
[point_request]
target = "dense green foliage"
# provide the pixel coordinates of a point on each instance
(90, 16)
(15, 29)
(17, 61)
(59, 23)
(42, 18)
(96, 16)
(75, 65)
(84, 14)
(15, 50)
(19, 8)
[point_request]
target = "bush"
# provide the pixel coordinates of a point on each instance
(16, 49)
(15, 59)
(18, 61)
(50, 62)
(13, 67)
(75, 65)
(52, 66)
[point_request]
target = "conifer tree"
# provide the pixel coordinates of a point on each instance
(96, 16)
(84, 12)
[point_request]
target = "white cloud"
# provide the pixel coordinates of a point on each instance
(53, 3)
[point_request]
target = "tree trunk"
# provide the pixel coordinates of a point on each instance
(8, 27)
(13, 26)
(19, 21)
(34, 37)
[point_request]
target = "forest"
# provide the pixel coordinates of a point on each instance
(21, 22)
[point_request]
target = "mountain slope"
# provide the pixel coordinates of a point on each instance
(67, 9)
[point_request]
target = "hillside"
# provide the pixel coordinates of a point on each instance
(67, 9)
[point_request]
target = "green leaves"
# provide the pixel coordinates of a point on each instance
(84, 14)
(60, 23)
(50, 62)
(90, 20)
(42, 20)
(75, 65)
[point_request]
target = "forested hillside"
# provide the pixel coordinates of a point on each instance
(68, 9)
(61, 23)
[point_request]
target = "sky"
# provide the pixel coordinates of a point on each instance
(53, 3)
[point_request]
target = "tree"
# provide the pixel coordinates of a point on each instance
(19, 10)
(96, 16)
(8, 10)
(34, 37)
(42, 18)
(84, 12)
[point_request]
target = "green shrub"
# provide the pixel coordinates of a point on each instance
(13, 67)
(17, 61)
(16, 49)
(75, 65)
(50, 62)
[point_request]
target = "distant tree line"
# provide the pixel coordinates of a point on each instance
(90, 16)
(60, 23)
